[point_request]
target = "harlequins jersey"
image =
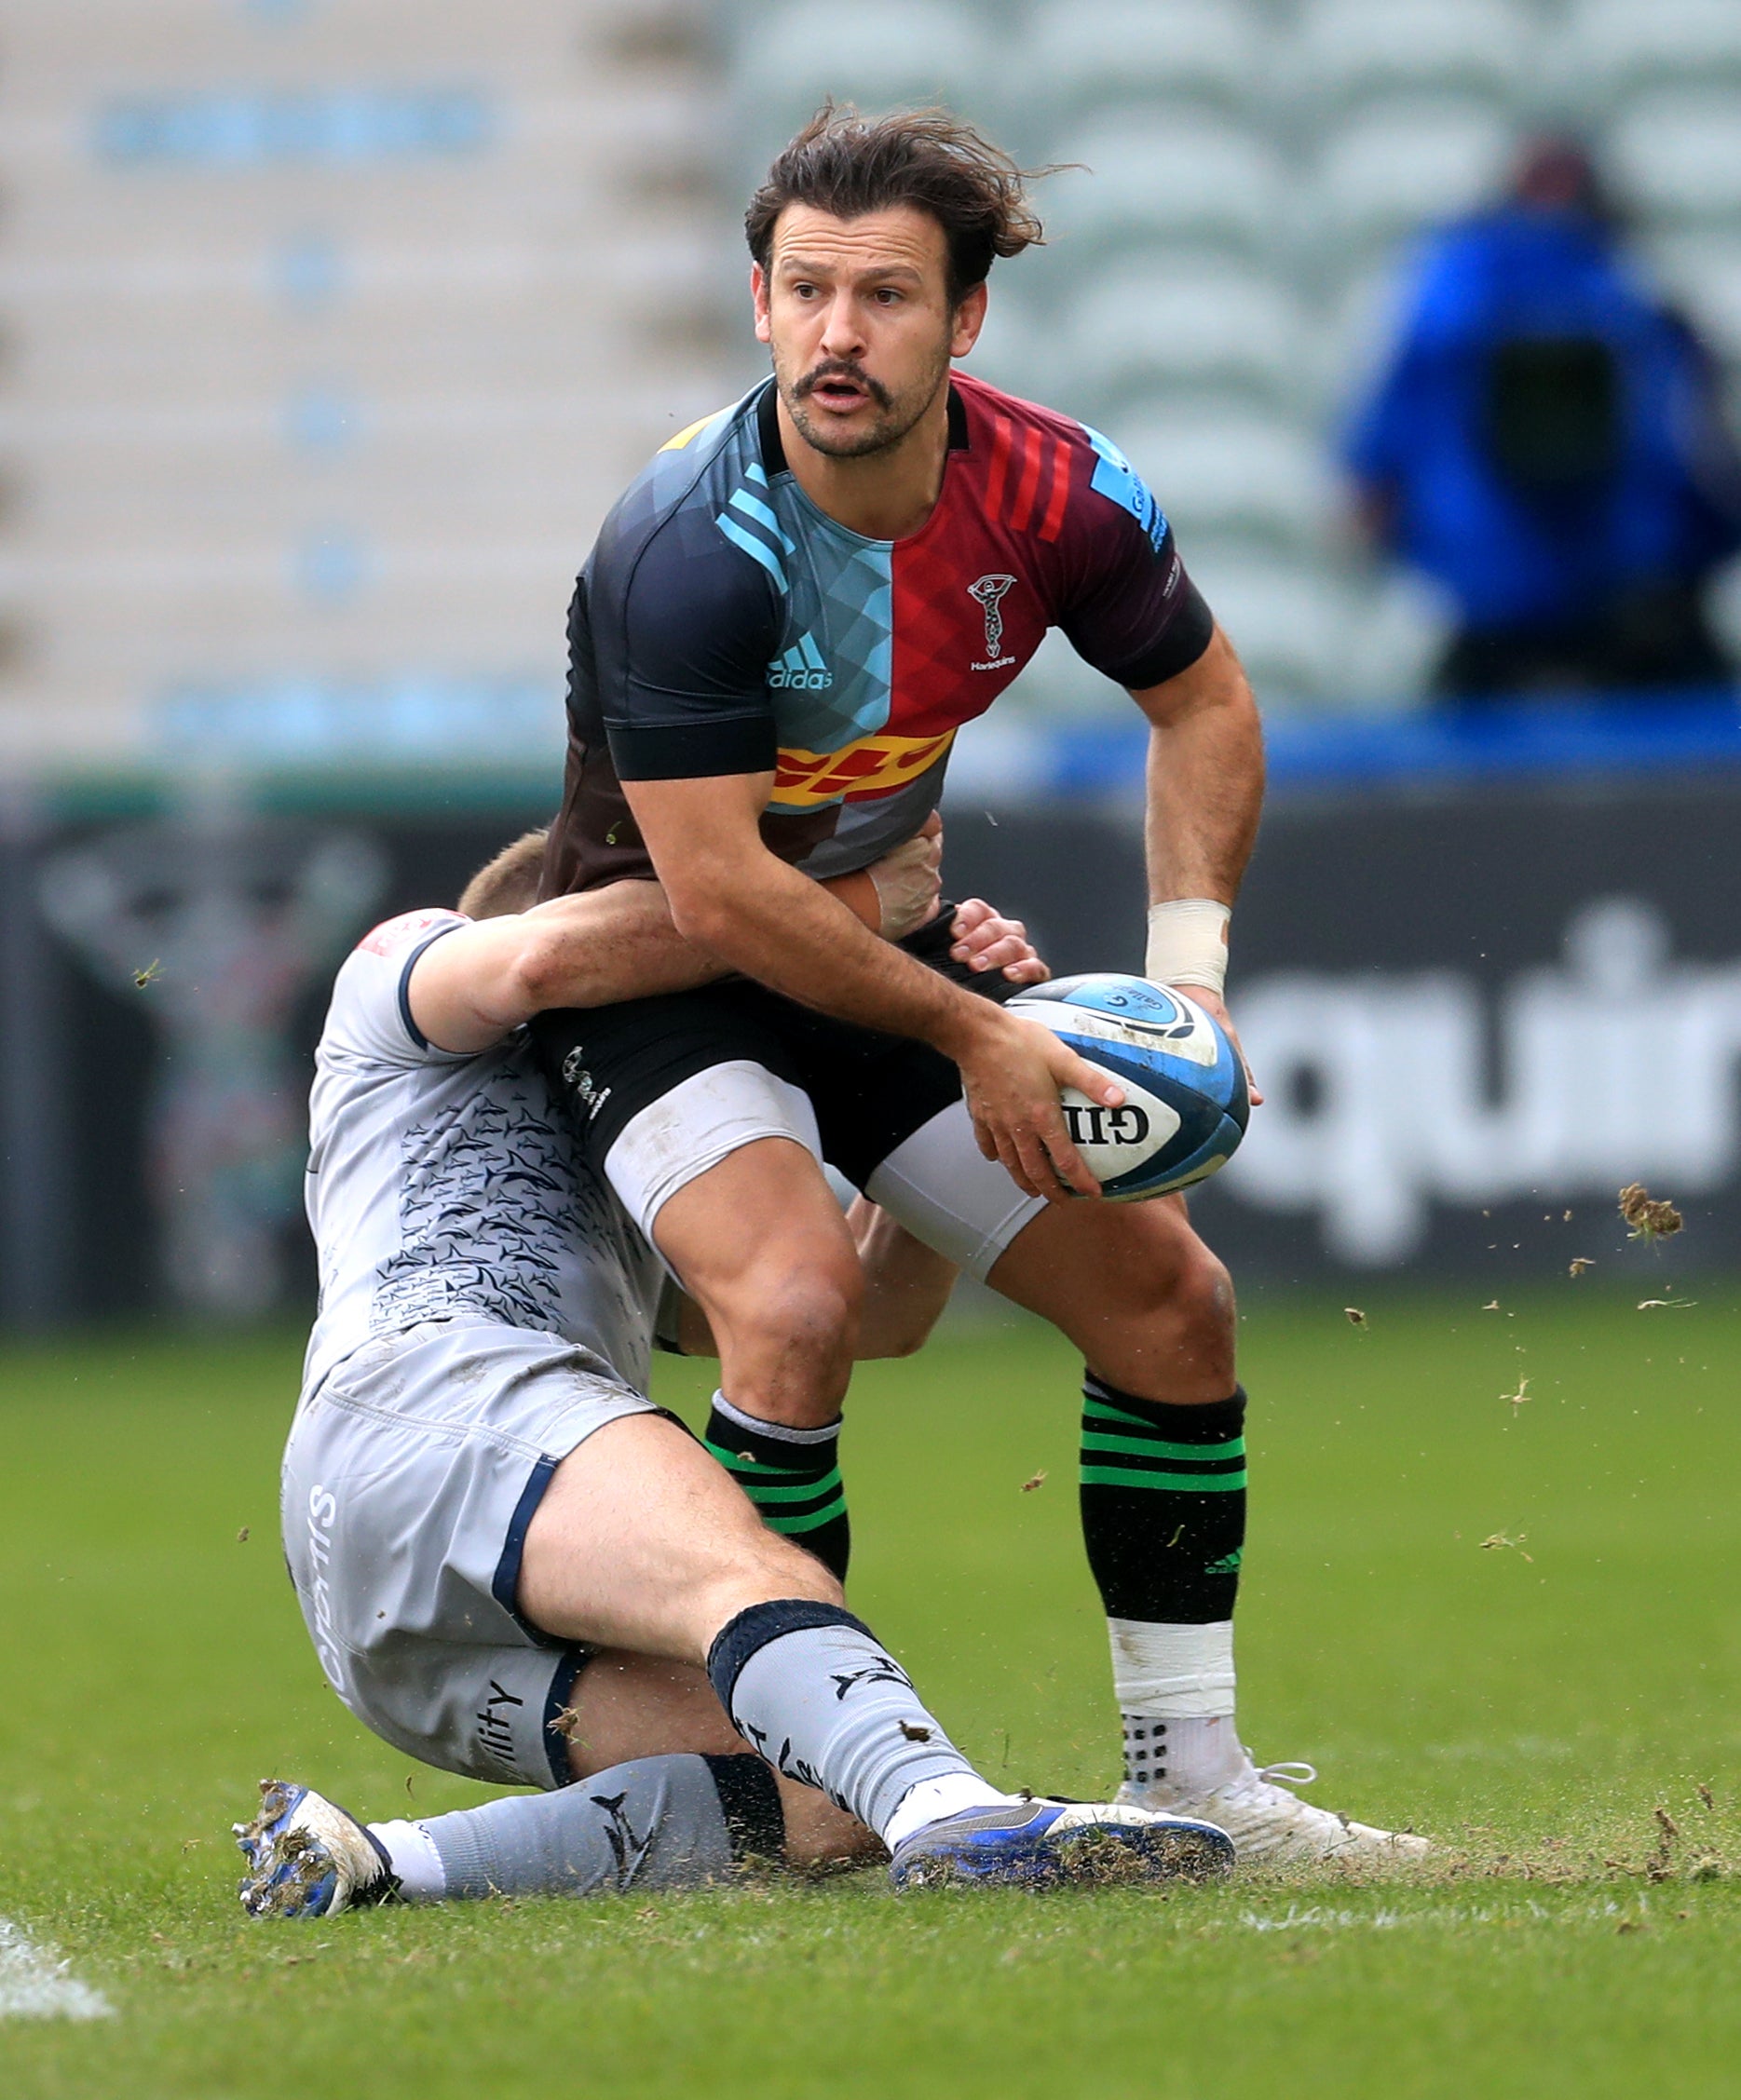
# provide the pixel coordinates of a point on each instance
(723, 624)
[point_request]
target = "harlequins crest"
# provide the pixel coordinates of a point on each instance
(991, 591)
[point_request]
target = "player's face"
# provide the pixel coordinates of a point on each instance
(858, 315)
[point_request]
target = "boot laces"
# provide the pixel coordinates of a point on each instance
(1290, 1773)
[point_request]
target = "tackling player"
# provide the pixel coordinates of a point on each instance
(512, 1564)
(780, 630)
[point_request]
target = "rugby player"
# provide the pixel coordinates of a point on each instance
(512, 1564)
(783, 626)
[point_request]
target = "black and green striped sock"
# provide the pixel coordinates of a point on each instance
(793, 1476)
(1163, 1504)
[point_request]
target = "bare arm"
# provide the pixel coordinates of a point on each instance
(474, 984)
(1205, 787)
(471, 986)
(1205, 777)
(733, 897)
(591, 950)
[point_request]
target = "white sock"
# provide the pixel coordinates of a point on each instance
(1175, 1687)
(1181, 1756)
(933, 1798)
(422, 1878)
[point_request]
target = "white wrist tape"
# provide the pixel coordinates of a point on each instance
(1188, 944)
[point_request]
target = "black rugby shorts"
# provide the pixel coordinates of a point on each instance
(870, 1090)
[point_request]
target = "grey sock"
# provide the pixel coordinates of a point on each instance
(813, 1689)
(659, 1822)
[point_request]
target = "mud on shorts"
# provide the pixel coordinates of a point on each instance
(409, 1480)
(663, 1089)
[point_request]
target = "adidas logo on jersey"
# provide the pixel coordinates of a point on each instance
(801, 669)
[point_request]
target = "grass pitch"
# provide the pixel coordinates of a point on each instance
(1505, 1614)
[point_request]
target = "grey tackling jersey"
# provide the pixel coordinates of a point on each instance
(444, 1186)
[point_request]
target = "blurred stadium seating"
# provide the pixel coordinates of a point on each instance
(330, 332)
(329, 328)
(1222, 265)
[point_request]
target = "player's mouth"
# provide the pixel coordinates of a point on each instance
(842, 388)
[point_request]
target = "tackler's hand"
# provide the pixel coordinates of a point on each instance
(908, 881)
(986, 940)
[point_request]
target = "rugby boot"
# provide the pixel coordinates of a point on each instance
(1051, 1844)
(308, 1858)
(1268, 1824)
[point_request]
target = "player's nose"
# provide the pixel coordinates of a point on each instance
(843, 333)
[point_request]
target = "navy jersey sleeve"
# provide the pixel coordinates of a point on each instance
(681, 641)
(1132, 613)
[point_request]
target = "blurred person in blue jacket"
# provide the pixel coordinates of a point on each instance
(1547, 443)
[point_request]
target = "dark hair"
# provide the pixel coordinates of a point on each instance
(847, 165)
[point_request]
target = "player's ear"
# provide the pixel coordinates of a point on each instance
(758, 295)
(970, 317)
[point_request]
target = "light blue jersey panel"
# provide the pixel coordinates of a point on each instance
(831, 681)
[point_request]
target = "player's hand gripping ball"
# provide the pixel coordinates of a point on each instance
(1185, 1104)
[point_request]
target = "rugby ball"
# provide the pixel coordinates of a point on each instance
(1185, 1104)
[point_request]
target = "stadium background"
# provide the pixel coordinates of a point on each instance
(329, 328)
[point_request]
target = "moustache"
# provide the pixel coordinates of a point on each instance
(841, 367)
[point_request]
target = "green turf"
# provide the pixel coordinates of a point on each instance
(1534, 1702)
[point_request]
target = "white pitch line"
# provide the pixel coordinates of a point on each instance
(36, 1984)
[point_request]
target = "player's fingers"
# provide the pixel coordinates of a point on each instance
(1000, 950)
(1015, 1157)
(1038, 1173)
(1252, 1087)
(985, 1136)
(1031, 970)
(1072, 1071)
(1251, 1084)
(998, 929)
(1066, 1163)
(991, 927)
(970, 915)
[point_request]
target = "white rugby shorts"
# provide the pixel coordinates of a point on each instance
(937, 1182)
(409, 1480)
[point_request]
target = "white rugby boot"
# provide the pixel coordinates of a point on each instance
(1268, 1824)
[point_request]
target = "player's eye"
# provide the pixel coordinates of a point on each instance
(887, 296)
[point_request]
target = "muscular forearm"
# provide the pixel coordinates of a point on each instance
(630, 947)
(609, 944)
(777, 926)
(591, 950)
(1205, 779)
